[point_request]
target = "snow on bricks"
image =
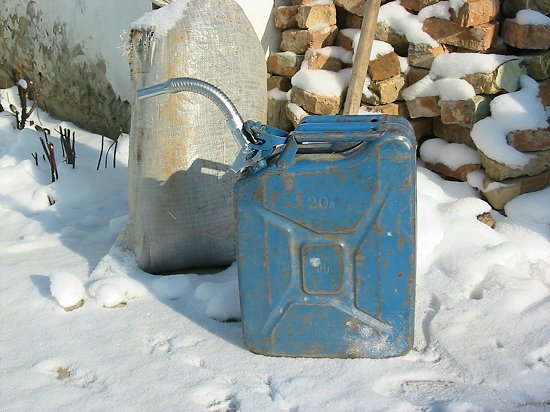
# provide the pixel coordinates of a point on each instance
(442, 72)
(475, 12)
(284, 63)
(477, 38)
(299, 40)
(316, 13)
(529, 30)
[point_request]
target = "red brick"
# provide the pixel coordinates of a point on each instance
(535, 37)
(353, 6)
(417, 5)
(501, 195)
(299, 40)
(284, 63)
(345, 38)
(476, 12)
(285, 17)
(464, 112)
(530, 140)
(319, 61)
(476, 38)
(424, 107)
(309, 16)
(384, 67)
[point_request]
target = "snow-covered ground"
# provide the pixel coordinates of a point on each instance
(146, 343)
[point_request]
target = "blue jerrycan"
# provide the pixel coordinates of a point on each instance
(325, 231)
(326, 241)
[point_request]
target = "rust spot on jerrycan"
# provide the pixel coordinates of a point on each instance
(326, 241)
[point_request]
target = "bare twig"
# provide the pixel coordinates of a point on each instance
(67, 145)
(24, 88)
(101, 152)
(53, 164)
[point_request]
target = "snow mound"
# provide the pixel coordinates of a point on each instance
(452, 155)
(521, 110)
(67, 289)
(531, 17)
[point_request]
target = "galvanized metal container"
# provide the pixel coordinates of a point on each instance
(326, 241)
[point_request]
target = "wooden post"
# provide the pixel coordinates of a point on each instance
(362, 57)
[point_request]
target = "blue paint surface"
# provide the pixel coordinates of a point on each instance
(326, 241)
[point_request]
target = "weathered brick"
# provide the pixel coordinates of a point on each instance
(396, 108)
(422, 127)
(278, 82)
(526, 36)
(422, 55)
(317, 60)
(540, 162)
(384, 91)
(299, 40)
(353, 21)
(465, 112)
(284, 63)
(276, 110)
(450, 159)
(530, 140)
(460, 173)
(353, 6)
(544, 92)
(452, 133)
(311, 15)
(344, 38)
(414, 74)
(417, 5)
(313, 103)
(424, 107)
(384, 67)
(284, 17)
(476, 38)
(538, 65)
(503, 78)
(500, 194)
(398, 41)
(476, 12)
(302, 2)
(295, 113)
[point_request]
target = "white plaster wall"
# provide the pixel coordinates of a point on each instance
(99, 26)
(259, 14)
(93, 32)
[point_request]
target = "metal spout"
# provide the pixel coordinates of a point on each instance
(219, 98)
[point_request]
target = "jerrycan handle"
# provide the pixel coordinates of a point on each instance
(331, 134)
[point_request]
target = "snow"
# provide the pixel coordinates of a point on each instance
(23, 84)
(378, 48)
(482, 306)
(456, 5)
(452, 155)
(521, 110)
(458, 65)
(446, 89)
(67, 289)
(277, 94)
(296, 110)
(337, 52)
(438, 10)
(445, 76)
(531, 206)
(531, 17)
(161, 20)
(322, 82)
(402, 22)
